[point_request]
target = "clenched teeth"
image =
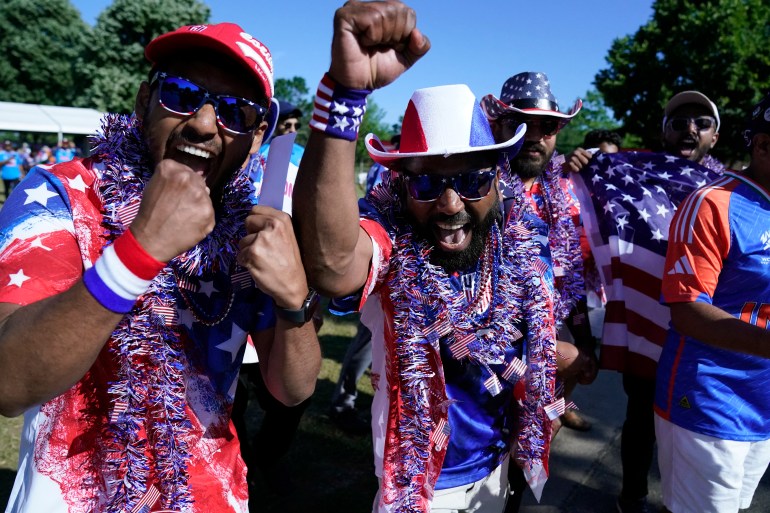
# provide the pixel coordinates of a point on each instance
(192, 150)
(444, 226)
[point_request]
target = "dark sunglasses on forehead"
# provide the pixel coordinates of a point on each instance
(547, 126)
(470, 186)
(181, 96)
(702, 123)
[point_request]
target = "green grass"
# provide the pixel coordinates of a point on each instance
(332, 471)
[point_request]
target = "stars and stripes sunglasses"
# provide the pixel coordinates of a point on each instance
(470, 186)
(182, 96)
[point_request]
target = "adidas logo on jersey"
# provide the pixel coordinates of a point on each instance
(681, 266)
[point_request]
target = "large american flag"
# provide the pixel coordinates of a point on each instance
(627, 201)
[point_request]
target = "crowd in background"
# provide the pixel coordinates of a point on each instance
(17, 158)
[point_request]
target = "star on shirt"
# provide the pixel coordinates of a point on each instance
(207, 287)
(233, 344)
(77, 183)
(38, 243)
(17, 278)
(40, 194)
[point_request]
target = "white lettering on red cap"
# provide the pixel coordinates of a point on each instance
(198, 28)
(262, 49)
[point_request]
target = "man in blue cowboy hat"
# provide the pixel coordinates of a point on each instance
(447, 274)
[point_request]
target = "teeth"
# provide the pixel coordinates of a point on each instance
(192, 150)
(449, 226)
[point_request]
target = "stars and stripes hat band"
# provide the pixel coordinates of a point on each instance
(527, 93)
(444, 120)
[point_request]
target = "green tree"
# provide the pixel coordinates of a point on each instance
(114, 60)
(41, 42)
(718, 47)
(593, 116)
(372, 123)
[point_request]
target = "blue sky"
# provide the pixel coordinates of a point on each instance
(480, 46)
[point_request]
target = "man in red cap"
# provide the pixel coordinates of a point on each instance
(128, 290)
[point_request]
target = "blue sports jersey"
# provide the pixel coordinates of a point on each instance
(719, 253)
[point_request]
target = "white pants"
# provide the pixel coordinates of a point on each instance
(487, 495)
(703, 474)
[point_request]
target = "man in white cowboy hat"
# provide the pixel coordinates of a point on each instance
(448, 276)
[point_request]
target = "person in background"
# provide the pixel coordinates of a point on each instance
(65, 151)
(712, 411)
(10, 167)
(605, 141)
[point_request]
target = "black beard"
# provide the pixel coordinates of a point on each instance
(453, 261)
(526, 168)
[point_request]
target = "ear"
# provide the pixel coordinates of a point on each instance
(259, 134)
(714, 139)
(142, 100)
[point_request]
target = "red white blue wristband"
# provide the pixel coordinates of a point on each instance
(338, 110)
(122, 274)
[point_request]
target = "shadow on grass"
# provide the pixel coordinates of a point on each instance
(7, 477)
(330, 470)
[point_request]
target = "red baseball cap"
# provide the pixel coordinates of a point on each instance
(227, 38)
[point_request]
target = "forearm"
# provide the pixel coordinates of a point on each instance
(326, 211)
(290, 363)
(47, 346)
(712, 325)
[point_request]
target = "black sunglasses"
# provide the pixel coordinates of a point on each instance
(702, 123)
(470, 186)
(548, 126)
(181, 96)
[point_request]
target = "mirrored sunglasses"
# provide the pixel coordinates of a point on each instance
(181, 96)
(702, 123)
(470, 186)
(546, 125)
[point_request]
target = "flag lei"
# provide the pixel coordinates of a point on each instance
(427, 311)
(149, 356)
(563, 237)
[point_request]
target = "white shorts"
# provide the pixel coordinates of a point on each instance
(487, 495)
(703, 474)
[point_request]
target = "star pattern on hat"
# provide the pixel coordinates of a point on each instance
(527, 84)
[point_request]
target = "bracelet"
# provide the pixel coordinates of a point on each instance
(338, 110)
(122, 274)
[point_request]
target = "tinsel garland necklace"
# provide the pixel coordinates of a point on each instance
(426, 310)
(149, 388)
(563, 238)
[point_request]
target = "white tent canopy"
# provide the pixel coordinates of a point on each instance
(28, 117)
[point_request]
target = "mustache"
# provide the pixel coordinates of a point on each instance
(532, 146)
(458, 218)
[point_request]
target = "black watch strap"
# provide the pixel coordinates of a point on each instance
(304, 314)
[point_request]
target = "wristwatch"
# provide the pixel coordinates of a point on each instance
(305, 313)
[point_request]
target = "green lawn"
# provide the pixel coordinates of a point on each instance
(332, 471)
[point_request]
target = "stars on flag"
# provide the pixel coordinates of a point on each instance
(233, 344)
(18, 278)
(39, 194)
(77, 183)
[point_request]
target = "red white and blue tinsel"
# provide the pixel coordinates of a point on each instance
(147, 437)
(427, 312)
(563, 237)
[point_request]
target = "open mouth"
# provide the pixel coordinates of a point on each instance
(687, 147)
(452, 237)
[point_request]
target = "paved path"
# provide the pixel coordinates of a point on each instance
(585, 467)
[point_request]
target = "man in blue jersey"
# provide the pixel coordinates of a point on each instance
(711, 403)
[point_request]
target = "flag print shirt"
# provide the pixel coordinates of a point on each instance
(73, 457)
